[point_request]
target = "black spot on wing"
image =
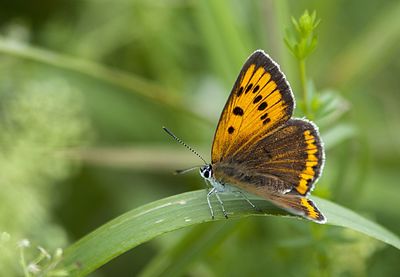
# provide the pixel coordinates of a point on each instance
(262, 106)
(238, 111)
(256, 88)
(257, 99)
(240, 91)
(267, 120)
(249, 88)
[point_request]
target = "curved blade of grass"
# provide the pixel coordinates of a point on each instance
(148, 221)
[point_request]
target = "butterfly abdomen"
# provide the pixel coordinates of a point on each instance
(248, 180)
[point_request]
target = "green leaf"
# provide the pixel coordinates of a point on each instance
(151, 220)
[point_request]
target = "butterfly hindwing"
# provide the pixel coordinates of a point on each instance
(289, 160)
(293, 154)
(260, 101)
(299, 205)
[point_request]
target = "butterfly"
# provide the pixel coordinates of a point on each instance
(259, 148)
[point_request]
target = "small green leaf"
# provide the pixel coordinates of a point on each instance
(301, 40)
(151, 220)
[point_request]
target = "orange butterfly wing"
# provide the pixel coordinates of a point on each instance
(260, 101)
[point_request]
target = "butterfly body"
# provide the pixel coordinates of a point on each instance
(259, 148)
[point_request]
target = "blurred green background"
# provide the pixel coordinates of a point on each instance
(85, 87)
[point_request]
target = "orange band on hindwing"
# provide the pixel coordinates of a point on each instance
(311, 210)
(307, 176)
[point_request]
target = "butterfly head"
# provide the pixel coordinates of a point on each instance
(206, 171)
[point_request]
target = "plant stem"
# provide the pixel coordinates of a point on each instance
(303, 80)
(23, 263)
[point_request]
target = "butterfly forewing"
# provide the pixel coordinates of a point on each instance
(260, 101)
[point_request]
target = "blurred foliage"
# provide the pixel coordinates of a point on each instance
(34, 132)
(103, 77)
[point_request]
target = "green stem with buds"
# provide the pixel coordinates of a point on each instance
(301, 41)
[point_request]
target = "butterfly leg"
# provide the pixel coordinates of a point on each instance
(222, 204)
(246, 198)
(209, 203)
(207, 184)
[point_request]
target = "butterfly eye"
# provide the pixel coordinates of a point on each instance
(206, 171)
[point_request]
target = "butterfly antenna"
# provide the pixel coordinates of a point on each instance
(183, 171)
(184, 144)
